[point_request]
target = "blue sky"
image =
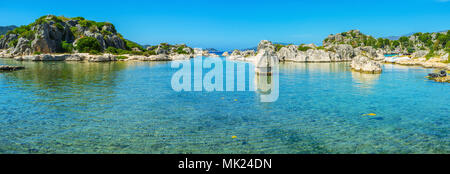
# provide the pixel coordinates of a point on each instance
(241, 24)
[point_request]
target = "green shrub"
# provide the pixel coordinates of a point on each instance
(20, 30)
(59, 26)
(149, 53)
(67, 47)
(131, 45)
(121, 52)
(122, 57)
(112, 50)
(28, 35)
(93, 29)
(13, 43)
(94, 52)
(136, 53)
(303, 48)
(105, 32)
(78, 18)
(88, 44)
(430, 55)
(180, 50)
(37, 53)
(75, 31)
(86, 23)
(278, 47)
(2, 36)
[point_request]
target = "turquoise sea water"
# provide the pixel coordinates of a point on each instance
(130, 107)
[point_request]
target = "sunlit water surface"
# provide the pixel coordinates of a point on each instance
(130, 107)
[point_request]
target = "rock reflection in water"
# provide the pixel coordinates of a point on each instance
(365, 80)
(268, 85)
(314, 67)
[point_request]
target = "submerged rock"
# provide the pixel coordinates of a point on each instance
(10, 68)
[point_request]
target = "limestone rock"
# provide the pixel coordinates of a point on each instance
(265, 60)
(267, 46)
(364, 64)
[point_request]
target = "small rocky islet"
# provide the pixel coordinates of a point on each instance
(58, 38)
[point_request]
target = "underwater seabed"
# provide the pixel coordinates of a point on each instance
(130, 107)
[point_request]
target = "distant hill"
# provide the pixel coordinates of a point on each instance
(5, 29)
(211, 50)
(256, 48)
(409, 34)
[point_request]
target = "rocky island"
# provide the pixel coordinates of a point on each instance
(366, 53)
(58, 38)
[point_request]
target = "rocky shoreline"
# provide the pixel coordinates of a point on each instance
(106, 57)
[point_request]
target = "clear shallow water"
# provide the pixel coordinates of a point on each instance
(130, 107)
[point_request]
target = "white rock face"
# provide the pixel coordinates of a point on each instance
(265, 61)
(444, 57)
(102, 58)
(364, 64)
(344, 52)
(420, 53)
(267, 46)
(42, 57)
(288, 53)
(396, 59)
(225, 54)
(180, 57)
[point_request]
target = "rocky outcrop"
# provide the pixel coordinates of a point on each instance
(364, 64)
(23, 47)
(288, 53)
(102, 58)
(265, 60)
(420, 53)
(267, 46)
(4, 42)
(336, 53)
(430, 63)
(47, 34)
(225, 54)
(439, 76)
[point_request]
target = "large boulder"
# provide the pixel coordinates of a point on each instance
(23, 47)
(288, 53)
(248, 53)
(344, 52)
(6, 39)
(365, 64)
(420, 53)
(313, 55)
(162, 49)
(267, 46)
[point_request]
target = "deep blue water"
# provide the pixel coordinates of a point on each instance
(130, 107)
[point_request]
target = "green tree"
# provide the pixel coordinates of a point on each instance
(67, 47)
(88, 44)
